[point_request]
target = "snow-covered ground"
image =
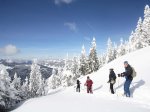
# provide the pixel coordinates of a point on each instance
(67, 100)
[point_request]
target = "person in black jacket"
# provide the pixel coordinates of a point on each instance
(112, 80)
(128, 76)
(78, 86)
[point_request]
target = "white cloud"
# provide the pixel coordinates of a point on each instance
(9, 50)
(59, 2)
(71, 25)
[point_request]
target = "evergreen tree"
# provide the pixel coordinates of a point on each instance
(146, 27)
(8, 94)
(42, 87)
(141, 36)
(35, 78)
(25, 89)
(93, 59)
(130, 46)
(121, 49)
(70, 80)
(83, 62)
(68, 63)
(75, 68)
(110, 51)
(115, 50)
(102, 60)
(55, 79)
(16, 82)
(138, 35)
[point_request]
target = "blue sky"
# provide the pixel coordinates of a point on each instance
(51, 28)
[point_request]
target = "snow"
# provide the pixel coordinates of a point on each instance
(66, 99)
(3, 67)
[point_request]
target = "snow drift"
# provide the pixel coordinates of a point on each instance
(67, 99)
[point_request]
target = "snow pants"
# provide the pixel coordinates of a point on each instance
(89, 89)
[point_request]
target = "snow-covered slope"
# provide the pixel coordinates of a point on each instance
(66, 100)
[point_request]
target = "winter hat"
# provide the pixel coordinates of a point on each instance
(111, 69)
(125, 62)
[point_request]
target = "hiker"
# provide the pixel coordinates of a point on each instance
(89, 84)
(112, 80)
(78, 86)
(128, 76)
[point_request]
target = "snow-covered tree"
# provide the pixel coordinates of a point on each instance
(130, 46)
(146, 27)
(35, 78)
(115, 50)
(8, 94)
(135, 40)
(138, 34)
(83, 69)
(102, 60)
(42, 87)
(110, 55)
(141, 36)
(121, 49)
(93, 60)
(67, 78)
(16, 83)
(75, 68)
(4, 87)
(70, 80)
(25, 89)
(68, 63)
(55, 79)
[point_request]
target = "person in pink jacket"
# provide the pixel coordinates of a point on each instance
(89, 84)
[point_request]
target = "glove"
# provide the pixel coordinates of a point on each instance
(122, 74)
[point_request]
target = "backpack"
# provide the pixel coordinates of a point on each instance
(133, 73)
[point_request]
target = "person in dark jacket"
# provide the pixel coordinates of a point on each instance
(78, 86)
(112, 80)
(89, 84)
(128, 76)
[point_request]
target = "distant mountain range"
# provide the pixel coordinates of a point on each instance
(23, 69)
